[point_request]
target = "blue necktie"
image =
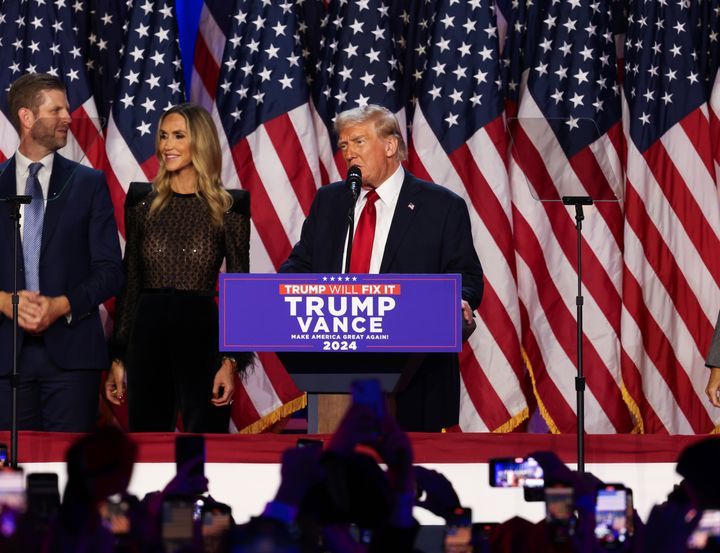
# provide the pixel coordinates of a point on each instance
(32, 228)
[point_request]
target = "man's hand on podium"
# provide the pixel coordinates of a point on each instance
(468, 322)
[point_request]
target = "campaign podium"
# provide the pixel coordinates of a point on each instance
(331, 329)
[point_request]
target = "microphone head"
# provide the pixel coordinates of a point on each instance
(354, 180)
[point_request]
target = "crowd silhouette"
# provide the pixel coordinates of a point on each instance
(355, 493)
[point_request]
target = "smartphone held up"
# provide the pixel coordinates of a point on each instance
(613, 515)
(560, 516)
(518, 472)
(514, 472)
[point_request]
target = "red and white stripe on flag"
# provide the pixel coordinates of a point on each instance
(546, 245)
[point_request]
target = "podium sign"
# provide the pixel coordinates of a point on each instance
(348, 312)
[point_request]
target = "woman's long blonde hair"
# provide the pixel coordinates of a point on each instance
(206, 158)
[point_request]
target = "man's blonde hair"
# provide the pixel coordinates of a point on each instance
(386, 124)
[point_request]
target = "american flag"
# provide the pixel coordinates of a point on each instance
(459, 140)
(548, 117)
(709, 25)
(43, 38)
(102, 32)
(368, 52)
(125, 56)
(147, 81)
(671, 273)
(566, 141)
(360, 63)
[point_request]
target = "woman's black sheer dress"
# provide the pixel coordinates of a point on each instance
(166, 326)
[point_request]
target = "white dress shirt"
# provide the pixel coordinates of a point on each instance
(388, 192)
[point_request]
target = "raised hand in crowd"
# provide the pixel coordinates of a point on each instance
(99, 465)
(300, 471)
(435, 492)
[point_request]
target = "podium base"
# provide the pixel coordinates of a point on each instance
(328, 410)
(328, 396)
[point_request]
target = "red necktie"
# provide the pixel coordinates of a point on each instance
(364, 236)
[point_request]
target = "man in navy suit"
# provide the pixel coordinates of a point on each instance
(419, 227)
(70, 263)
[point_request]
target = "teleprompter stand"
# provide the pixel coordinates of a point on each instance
(579, 202)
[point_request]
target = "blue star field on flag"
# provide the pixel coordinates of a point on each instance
(663, 77)
(461, 75)
(43, 38)
(151, 77)
(573, 72)
(262, 74)
(361, 60)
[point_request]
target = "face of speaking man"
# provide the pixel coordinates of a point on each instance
(375, 156)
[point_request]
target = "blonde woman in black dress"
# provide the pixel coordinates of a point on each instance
(178, 233)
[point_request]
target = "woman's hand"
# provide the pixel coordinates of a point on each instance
(115, 383)
(225, 380)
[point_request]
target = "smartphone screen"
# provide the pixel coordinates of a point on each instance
(458, 532)
(115, 514)
(515, 472)
(361, 535)
(707, 532)
(560, 512)
(216, 522)
(12, 491)
(559, 503)
(481, 532)
(611, 514)
(178, 522)
(310, 443)
(43, 495)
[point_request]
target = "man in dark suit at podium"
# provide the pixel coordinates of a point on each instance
(403, 225)
(69, 263)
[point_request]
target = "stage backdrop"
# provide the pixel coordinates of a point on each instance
(511, 105)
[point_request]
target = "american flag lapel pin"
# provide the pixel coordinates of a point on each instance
(411, 206)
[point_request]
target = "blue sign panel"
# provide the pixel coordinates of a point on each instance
(348, 312)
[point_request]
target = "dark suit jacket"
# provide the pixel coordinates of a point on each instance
(430, 233)
(79, 258)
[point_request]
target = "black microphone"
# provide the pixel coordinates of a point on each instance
(354, 181)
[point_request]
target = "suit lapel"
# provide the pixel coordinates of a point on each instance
(8, 187)
(58, 193)
(338, 238)
(407, 206)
